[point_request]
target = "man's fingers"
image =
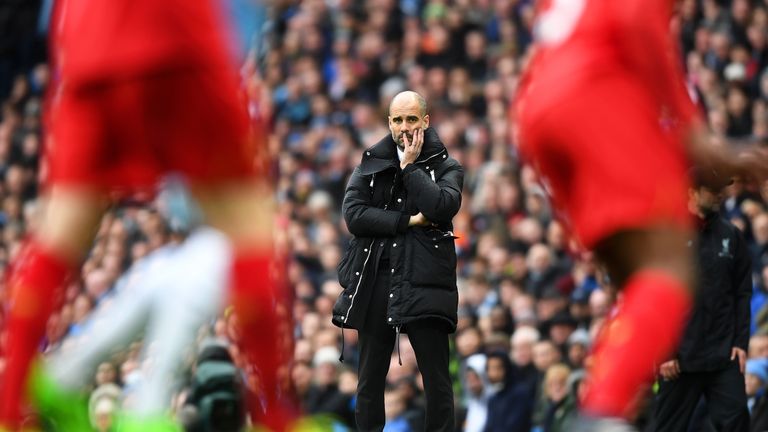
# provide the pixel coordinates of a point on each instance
(665, 371)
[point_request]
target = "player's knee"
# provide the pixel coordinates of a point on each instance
(69, 221)
(661, 250)
(245, 212)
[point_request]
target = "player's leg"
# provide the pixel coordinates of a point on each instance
(115, 326)
(57, 386)
(70, 218)
(622, 181)
(244, 211)
(653, 267)
(191, 293)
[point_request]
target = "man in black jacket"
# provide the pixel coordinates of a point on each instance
(399, 272)
(712, 354)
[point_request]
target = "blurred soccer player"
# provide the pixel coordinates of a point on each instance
(603, 115)
(146, 87)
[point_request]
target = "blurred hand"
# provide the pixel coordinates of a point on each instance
(412, 147)
(419, 220)
(670, 370)
(741, 355)
(749, 162)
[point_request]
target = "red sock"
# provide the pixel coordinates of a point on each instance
(643, 334)
(264, 328)
(34, 287)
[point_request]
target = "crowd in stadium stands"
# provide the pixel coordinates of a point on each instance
(530, 302)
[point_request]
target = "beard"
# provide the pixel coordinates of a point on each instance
(401, 142)
(709, 211)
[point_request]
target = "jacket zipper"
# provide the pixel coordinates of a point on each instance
(359, 281)
(430, 158)
(367, 257)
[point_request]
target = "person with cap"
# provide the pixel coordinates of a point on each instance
(578, 348)
(476, 395)
(711, 358)
(560, 327)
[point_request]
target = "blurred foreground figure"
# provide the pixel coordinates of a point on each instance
(146, 87)
(603, 115)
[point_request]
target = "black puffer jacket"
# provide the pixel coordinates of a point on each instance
(378, 202)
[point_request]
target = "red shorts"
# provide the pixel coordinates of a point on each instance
(126, 134)
(599, 147)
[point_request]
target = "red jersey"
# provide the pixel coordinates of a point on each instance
(147, 87)
(580, 40)
(590, 111)
(109, 39)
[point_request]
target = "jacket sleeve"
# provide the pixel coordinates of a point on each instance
(742, 283)
(438, 200)
(366, 220)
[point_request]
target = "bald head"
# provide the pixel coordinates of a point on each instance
(407, 113)
(409, 97)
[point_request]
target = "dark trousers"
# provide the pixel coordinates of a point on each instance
(376, 342)
(723, 390)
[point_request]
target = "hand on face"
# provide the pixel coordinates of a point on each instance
(412, 146)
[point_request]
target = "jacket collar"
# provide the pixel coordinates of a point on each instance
(383, 155)
(708, 221)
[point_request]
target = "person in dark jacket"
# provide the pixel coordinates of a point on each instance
(712, 355)
(399, 271)
(511, 406)
(756, 378)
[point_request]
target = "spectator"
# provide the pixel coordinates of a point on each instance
(103, 406)
(106, 374)
(523, 341)
(578, 348)
(545, 355)
(510, 405)
(560, 408)
(324, 395)
(394, 406)
(561, 326)
(758, 345)
(756, 378)
(476, 394)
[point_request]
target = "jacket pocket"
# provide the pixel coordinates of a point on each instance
(341, 307)
(433, 259)
(345, 267)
